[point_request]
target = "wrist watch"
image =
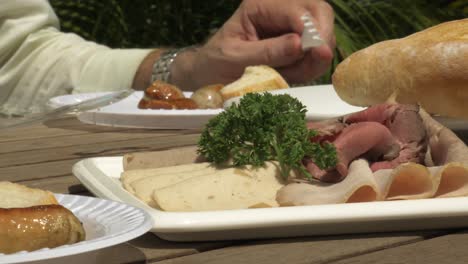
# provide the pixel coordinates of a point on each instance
(162, 67)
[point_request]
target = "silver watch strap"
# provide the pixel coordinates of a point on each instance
(162, 67)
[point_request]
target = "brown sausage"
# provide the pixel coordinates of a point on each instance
(160, 90)
(38, 227)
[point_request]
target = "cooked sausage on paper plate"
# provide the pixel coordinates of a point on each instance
(32, 219)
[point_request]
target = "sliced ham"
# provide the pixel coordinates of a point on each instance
(386, 135)
(453, 180)
(407, 181)
(443, 173)
(359, 186)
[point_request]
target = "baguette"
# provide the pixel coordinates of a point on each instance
(255, 79)
(31, 219)
(429, 68)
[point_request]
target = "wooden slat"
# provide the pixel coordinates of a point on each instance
(303, 250)
(65, 184)
(68, 126)
(74, 139)
(145, 247)
(37, 171)
(445, 249)
(94, 150)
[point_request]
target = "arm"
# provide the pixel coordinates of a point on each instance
(38, 62)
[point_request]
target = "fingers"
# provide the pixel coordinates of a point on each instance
(324, 16)
(314, 64)
(273, 17)
(317, 60)
(276, 52)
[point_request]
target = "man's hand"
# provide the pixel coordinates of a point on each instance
(260, 32)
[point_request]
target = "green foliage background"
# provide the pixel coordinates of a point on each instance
(156, 23)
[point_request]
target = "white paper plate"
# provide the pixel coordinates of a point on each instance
(106, 223)
(101, 176)
(321, 101)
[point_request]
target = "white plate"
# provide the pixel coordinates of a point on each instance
(101, 176)
(321, 102)
(106, 223)
(126, 113)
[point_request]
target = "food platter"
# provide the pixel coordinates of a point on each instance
(106, 223)
(321, 101)
(101, 176)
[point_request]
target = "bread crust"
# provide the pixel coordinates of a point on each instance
(43, 226)
(17, 195)
(275, 82)
(429, 68)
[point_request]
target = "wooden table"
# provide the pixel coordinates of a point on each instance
(42, 155)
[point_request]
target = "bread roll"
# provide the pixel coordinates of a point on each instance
(255, 79)
(14, 195)
(429, 68)
(31, 219)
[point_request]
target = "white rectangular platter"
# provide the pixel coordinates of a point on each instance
(101, 177)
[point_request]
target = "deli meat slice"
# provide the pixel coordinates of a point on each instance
(453, 180)
(359, 186)
(407, 181)
(428, 161)
(386, 135)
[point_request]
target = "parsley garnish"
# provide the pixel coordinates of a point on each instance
(264, 127)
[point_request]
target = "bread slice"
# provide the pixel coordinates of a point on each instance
(255, 79)
(14, 195)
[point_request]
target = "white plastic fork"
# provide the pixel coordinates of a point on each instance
(310, 36)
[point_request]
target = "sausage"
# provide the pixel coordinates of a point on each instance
(160, 90)
(36, 227)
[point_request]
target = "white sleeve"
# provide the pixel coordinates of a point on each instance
(38, 62)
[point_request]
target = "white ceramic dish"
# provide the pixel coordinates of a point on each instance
(101, 176)
(106, 223)
(321, 101)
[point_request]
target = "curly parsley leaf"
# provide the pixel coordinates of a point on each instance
(264, 127)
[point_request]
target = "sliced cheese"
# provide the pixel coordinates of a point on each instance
(129, 177)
